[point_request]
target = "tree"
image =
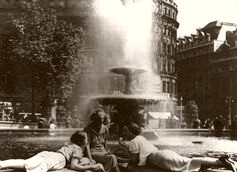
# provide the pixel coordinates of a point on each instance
(50, 50)
(191, 111)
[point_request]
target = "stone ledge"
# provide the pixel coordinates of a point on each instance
(132, 169)
(17, 170)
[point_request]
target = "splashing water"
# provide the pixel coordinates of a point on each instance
(131, 21)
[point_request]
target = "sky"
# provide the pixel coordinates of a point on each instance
(193, 14)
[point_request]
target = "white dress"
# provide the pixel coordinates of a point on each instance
(165, 159)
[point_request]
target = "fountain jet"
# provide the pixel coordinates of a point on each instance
(126, 1)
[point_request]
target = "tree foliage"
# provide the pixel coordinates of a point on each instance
(191, 110)
(50, 49)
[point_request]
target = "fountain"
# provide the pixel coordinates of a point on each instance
(127, 104)
(125, 50)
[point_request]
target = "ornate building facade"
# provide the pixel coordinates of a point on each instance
(169, 37)
(206, 69)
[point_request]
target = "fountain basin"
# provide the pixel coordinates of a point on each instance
(128, 70)
(119, 99)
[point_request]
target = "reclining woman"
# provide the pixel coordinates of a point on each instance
(142, 152)
(98, 134)
(70, 155)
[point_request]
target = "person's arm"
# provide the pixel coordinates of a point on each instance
(76, 165)
(88, 152)
(123, 145)
(106, 136)
(87, 148)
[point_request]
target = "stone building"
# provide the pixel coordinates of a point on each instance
(169, 37)
(206, 69)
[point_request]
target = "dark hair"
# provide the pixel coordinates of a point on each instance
(96, 115)
(134, 129)
(78, 137)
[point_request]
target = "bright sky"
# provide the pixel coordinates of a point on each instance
(195, 14)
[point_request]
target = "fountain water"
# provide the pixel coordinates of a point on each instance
(123, 46)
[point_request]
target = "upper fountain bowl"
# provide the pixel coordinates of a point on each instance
(128, 70)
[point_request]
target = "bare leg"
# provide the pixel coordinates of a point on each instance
(208, 161)
(13, 163)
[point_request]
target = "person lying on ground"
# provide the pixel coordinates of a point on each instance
(70, 155)
(143, 152)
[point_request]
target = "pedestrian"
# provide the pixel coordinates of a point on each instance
(207, 124)
(196, 122)
(77, 123)
(71, 155)
(69, 122)
(52, 125)
(171, 122)
(219, 125)
(143, 152)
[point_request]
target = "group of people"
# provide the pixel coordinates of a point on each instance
(87, 151)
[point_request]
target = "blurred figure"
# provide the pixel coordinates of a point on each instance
(52, 125)
(234, 123)
(41, 123)
(219, 125)
(140, 118)
(77, 123)
(171, 122)
(75, 112)
(196, 122)
(207, 124)
(69, 122)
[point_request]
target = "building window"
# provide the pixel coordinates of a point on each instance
(164, 48)
(165, 11)
(164, 86)
(168, 87)
(169, 49)
(174, 88)
(165, 30)
(164, 66)
(174, 15)
(61, 3)
(173, 68)
(169, 12)
(169, 70)
(51, 3)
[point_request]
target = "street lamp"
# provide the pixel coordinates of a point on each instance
(229, 100)
(181, 110)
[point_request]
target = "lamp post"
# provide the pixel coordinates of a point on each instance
(229, 100)
(181, 111)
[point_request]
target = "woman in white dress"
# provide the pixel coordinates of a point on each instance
(143, 152)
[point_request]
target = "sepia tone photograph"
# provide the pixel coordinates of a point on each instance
(118, 86)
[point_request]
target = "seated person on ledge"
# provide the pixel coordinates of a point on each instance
(144, 153)
(71, 155)
(98, 134)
